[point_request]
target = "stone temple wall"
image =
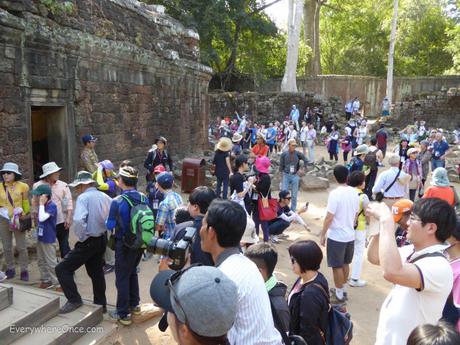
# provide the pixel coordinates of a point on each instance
(119, 69)
(263, 107)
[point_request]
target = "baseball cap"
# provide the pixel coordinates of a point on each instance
(43, 189)
(202, 297)
(106, 164)
(87, 138)
(159, 169)
(165, 180)
(400, 207)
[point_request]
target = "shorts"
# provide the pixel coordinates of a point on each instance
(339, 253)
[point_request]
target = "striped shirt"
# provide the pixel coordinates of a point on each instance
(254, 322)
(166, 211)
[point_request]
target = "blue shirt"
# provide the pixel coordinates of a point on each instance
(439, 149)
(197, 255)
(166, 212)
(271, 135)
(356, 164)
(91, 212)
(120, 212)
(46, 231)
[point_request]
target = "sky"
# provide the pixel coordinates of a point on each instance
(278, 13)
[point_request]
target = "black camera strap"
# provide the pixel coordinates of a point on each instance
(394, 181)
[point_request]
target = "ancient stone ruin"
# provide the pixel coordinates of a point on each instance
(119, 69)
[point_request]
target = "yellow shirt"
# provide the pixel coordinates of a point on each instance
(17, 191)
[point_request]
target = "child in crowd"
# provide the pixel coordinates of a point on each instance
(265, 257)
(46, 234)
(154, 194)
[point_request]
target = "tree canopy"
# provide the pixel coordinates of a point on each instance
(237, 37)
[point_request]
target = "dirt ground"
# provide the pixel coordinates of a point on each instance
(364, 303)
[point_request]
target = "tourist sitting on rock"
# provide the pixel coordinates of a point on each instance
(285, 217)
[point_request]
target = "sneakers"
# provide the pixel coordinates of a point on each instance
(69, 307)
(275, 239)
(357, 282)
(147, 256)
(125, 321)
(108, 268)
(10, 273)
(335, 300)
(283, 236)
(25, 276)
(45, 285)
(135, 310)
(332, 292)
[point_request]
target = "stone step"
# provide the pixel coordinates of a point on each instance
(29, 309)
(6, 297)
(66, 329)
(100, 336)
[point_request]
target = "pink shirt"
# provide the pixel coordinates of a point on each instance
(61, 196)
(456, 287)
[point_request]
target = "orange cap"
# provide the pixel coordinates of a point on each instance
(400, 207)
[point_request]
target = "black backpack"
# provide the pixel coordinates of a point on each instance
(371, 160)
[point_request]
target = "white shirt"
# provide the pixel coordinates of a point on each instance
(303, 133)
(311, 134)
(293, 134)
(384, 180)
(254, 322)
(406, 308)
(343, 203)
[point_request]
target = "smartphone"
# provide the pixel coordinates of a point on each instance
(306, 204)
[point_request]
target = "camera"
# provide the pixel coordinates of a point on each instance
(177, 251)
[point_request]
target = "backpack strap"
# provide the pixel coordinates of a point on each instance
(426, 255)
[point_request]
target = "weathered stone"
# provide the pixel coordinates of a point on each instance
(310, 182)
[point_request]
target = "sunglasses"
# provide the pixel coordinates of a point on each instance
(7, 172)
(288, 198)
(173, 280)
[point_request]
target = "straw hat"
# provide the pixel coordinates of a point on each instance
(237, 137)
(49, 168)
(224, 144)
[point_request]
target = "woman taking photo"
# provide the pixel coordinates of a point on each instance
(307, 301)
(14, 205)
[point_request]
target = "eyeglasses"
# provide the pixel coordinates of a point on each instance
(288, 198)
(293, 261)
(173, 280)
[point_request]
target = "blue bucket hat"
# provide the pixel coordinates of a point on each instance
(440, 178)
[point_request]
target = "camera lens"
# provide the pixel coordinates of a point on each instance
(159, 246)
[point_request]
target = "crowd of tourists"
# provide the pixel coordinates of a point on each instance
(228, 292)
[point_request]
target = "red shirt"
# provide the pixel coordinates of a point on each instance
(444, 193)
(260, 150)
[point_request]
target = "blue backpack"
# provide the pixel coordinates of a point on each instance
(340, 327)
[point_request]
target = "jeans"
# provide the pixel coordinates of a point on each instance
(91, 254)
(257, 222)
(219, 192)
(62, 235)
(277, 226)
(437, 163)
(291, 180)
(126, 279)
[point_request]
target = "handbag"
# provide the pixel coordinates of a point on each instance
(25, 222)
(379, 195)
(267, 207)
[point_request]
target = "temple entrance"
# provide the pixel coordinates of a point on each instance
(49, 139)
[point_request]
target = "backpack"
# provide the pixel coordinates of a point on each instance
(340, 327)
(142, 224)
(371, 160)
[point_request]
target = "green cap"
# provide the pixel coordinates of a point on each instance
(43, 189)
(83, 177)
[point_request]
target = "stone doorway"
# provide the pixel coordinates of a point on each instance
(50, 139)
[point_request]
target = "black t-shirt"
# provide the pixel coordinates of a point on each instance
(221, 164)
(285, 210)
(236, 182)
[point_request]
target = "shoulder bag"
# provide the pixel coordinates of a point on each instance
(379, 195)
(267, 207)
(25, 222)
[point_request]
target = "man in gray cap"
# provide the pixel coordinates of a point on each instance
(91, 211)
(201, 303)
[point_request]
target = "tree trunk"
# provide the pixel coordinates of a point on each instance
(316, 52)
(309, 31)
(391, 53)
(289, 83)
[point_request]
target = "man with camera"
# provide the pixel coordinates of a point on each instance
(126, 259)
(221, 233)
(422, 275)
(198, 203)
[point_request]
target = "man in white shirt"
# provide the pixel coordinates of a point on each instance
(422, 275)
(342, 208)
(385, 180)
(221, 233)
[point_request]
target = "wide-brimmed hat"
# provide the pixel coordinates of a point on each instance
(82, 177)
(237, 137)
(43, 189)
(11, 167)
(49, 168)
(361, 150)
(413, 150)
(203, 297)
(263, 164)
(224, 144)
(440, 178)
